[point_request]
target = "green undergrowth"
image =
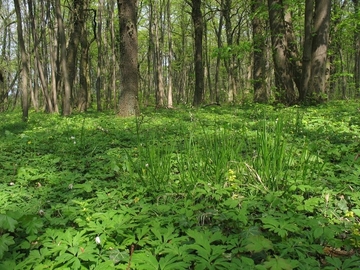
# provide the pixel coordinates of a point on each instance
(252, 187)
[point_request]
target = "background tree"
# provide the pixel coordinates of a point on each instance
(188, 52)
(261, 93)
(197, 18)
(24, 63)
(128, 103)
(284, 79)
(319, 47)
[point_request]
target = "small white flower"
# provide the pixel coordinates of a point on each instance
(70, 186)
(72, 137)
(97, 240)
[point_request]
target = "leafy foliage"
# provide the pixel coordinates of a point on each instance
(213, 188)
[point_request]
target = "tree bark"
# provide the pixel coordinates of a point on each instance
(286, 92)
(357, 48)
(261, 95)
(306, 59)
(170, 55)
(128, 103)
(66, 108)
(24, 64)
(320, 38)
(197, 18)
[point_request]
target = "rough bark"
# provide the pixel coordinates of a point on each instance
(128, 103)
(170, 85)
(197, 18)
(24, 64)
(321, 29)
(66, 106)
(261, 94)
(286, 92)
(357, 48)
(306, 59)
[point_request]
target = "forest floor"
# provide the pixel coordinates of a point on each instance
(251, 187)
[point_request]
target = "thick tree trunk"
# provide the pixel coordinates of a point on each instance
(321, 29)
(128, 103)
(24, 64)
(286, 92)
(198, 53)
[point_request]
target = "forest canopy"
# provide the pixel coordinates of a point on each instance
(61, 56)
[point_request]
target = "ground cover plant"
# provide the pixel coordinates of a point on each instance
(241, 187)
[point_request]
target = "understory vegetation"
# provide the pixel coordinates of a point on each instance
(250, 187)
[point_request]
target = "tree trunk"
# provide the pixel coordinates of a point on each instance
(66, 108)
(321, 28)
(357, 48)
(24, 64)
(306, 59)
(157, 57)
(284, 83)
(99, 57)
(261, 94)
(198, 53)
(230, 60)
(170, 85)
(128, 103)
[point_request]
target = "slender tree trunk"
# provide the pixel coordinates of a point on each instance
(112, 86)
(24, 64)
(66, 108)
(230, 61)
(158, 71)
(218, 32)
(99, 56)
(261, 94)
(306, 60)
(198, 53)
(170, 56)
(128, 103)
(357, 48)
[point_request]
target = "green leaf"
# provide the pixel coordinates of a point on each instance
(201, 241)
(31, 223)
(7, 223)
(172, 261)
(278, 263)
(257, 243)
(145, 260)
(5, 241)
(335, 262)
(356, 212)
(318, 232)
